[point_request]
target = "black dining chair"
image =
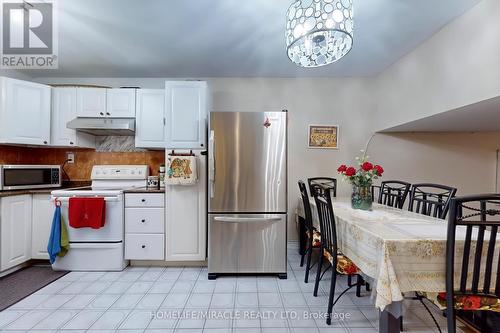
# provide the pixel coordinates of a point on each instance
(313, 239)
(478, 278)
(340, 264)
(375, 189)
(325, 184)
(431, 199)
(393, 193)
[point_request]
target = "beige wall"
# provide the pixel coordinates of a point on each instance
(458, 66)
(463, 160)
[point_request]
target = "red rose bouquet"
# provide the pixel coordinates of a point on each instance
(364, 175)
(361, 180)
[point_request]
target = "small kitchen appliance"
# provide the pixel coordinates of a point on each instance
(21, 177)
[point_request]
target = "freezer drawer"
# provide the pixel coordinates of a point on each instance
(247, 243)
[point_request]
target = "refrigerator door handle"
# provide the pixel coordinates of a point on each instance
(246, 219)
(211, 163)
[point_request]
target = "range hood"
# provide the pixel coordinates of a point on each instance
(104, 126)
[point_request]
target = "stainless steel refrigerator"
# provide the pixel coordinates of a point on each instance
(247, 190)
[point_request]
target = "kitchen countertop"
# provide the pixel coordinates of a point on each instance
(48, 190)
(145, 190)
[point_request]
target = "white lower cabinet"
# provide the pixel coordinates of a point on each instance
(144, 226)
(145, 220)
(144, 246)
(15, 230)
(42, 214)
(186, 218)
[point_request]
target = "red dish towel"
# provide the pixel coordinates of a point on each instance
(87, 212)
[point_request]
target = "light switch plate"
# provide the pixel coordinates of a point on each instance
(70, 157)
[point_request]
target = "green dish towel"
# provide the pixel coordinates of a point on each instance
(64, 239)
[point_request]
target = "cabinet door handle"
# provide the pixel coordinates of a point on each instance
(143, 220)
(71, 143)
(45, 142)
(108, 114)
(101, 113)
(144, 246)
(143, 200)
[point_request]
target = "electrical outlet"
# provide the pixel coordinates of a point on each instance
(70, 157)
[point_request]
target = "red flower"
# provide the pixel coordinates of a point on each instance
(342, 168)
(471, 302)
(350, 172)
(350, 269)
(379, 170)
(367, 166)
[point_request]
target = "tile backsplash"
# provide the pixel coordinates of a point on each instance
(84, 158)
(116, 144)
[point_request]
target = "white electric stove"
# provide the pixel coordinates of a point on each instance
(100, 249)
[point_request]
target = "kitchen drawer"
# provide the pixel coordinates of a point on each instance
(144, 220)
(144, 200)
(144, 246)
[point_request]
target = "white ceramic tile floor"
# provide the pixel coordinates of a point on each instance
(142, 299)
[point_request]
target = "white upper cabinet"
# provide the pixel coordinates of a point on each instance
(105, 103)
(24, 112)
(120, 103)
(186, 110)
(15, 230)
(91, 102)
(63, 111)
(150, 129)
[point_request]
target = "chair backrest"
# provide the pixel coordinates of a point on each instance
(307, 206)
(326, 221)
(431, 199)
(375, 189)
(325, 183)
(478, 218)
(393, 193)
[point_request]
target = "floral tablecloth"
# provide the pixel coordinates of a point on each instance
(402, 251)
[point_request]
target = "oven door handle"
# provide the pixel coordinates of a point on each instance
(66, 199)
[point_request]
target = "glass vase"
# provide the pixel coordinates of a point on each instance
(361, 197)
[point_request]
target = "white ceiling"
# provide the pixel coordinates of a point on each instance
(216, 38)
(479, 117)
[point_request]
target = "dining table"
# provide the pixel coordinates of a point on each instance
(398, 250)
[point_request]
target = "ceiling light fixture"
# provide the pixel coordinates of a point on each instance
(318, 32)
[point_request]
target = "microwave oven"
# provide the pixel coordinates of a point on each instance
(22, 177)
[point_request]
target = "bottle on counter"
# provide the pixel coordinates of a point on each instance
(161, 176)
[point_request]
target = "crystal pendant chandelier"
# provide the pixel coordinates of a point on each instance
(318, 32)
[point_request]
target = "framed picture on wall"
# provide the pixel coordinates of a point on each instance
(323, 136)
